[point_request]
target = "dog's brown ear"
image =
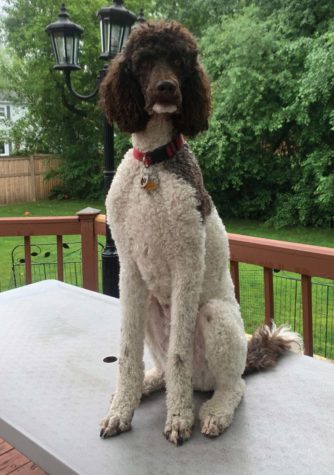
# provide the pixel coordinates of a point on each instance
(121, 97)
(196, 104)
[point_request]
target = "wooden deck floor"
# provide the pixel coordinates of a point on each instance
(13, 462)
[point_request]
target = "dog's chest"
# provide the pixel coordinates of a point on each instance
(146, 222)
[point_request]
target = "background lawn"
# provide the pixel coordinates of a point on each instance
(286, 285)
(315, 236)
(49, 208)
(12, 250)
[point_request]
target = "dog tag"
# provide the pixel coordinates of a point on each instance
(149, 181)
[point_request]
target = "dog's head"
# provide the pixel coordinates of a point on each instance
(157, 73)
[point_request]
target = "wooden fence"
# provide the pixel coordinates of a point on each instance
(22, 178)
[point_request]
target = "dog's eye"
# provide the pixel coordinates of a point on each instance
(145, 63)
(142, 61)
(145, 59)
(177, 62)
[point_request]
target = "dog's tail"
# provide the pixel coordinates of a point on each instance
(267, 344)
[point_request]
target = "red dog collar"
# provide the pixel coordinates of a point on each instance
(161, 153)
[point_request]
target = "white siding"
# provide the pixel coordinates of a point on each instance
(13, 112)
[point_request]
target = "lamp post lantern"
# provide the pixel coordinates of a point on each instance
(115, 25)
(65, 37)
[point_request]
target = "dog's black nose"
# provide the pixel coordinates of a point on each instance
(166, 87)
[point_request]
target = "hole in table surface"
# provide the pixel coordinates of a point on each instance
(110, 359)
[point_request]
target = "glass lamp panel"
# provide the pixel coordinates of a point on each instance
(60, 47)
(126, 33)
(69, 49)
(103, 38)
(107, 28)
(105, 34)
(54, 47)
(76, 50)
(116, 39)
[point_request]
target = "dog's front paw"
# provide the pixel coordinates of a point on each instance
(114, 423)
(217, 414)
(178, 428)
(214, 425)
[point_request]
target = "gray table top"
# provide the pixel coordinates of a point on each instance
(55, 388)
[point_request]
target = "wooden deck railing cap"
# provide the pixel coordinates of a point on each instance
(100, 218)
(88, 212)
(90, 273)
(282, 246)
(40, 226)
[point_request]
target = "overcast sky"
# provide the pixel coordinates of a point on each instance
(1, 5)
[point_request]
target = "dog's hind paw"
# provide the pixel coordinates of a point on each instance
(153, 381)
(114, 425)
(178, 429)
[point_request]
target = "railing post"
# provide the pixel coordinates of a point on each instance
(268, 295)
(90, 277)
(235, 278)
(60, 259)
(307, 314)
(27, 259)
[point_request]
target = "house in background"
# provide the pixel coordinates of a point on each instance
(9, 110)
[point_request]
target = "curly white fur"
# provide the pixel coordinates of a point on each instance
(294, 340)
(175, 287)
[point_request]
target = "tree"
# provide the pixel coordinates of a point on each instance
(55, 122)
(296, 18)
(196, 14)
(268, 152)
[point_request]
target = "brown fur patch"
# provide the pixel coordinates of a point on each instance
(184, 165)
(265, 348)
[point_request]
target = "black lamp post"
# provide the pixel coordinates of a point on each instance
(115, 25)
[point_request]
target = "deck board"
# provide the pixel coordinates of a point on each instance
(12, 462)
(4, 446)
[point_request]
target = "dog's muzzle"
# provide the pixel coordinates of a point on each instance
(164, 97)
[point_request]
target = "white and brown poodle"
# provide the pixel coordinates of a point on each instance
(176, 291)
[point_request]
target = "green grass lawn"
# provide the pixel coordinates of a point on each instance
(48, 208)
(314, 236)
(287, 285)
(41, 245)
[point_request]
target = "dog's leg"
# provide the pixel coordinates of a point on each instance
(156, 338)
(153, 381)
(226, 350)
(185, 300)
(133, 296)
